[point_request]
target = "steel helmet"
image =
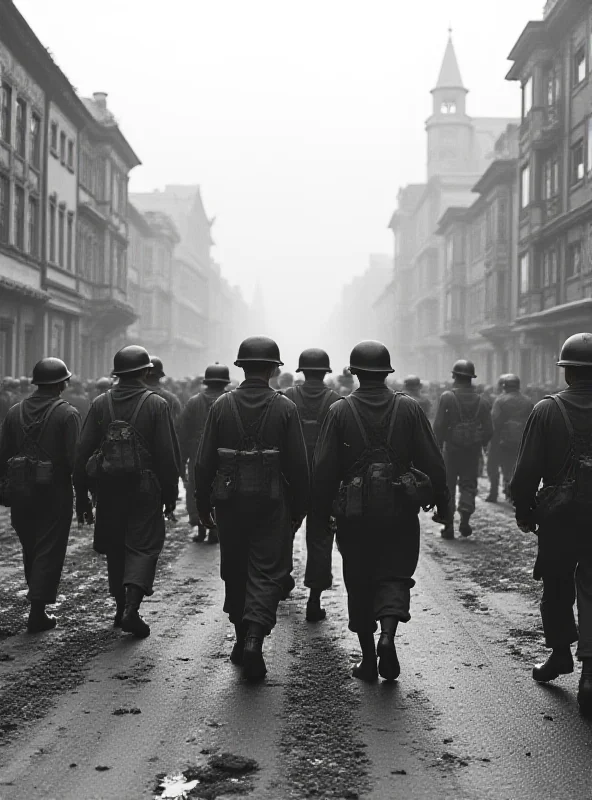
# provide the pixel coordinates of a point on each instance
(370, 356)
(314, 360)
(464, 367)
(577, 351)
(217, 373)
(412, 382)
(259, 348)
(511, 381)
(49, 371)
(131, 359)
(103, 383)
(157, 367)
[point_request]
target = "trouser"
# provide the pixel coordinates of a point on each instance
(43, 527)
(493, 470)
(130, 530)
(564, 563)
(319, 553)
(190, 494)
(379, 560)
(462, 469)
(507, 459)
(255, 560)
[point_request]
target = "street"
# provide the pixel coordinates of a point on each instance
(90, 713)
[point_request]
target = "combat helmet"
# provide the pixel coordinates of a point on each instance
(132, 358)
(464, 368)
(157, 369)
(412, 382)
(314, 360)
(511, 381)
(370, 356)
(50, 371)
(576, 351)
(216, 373)
(258, 349)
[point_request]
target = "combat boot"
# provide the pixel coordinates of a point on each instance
(238, 649)
(39, 620)
(314, 611)
(465, 528)
(120, 608)
(447, 531)
(213, 536)
(131, 621)
(254, 668)
(585, 688)
(491, 498)
(200, 536)
(560, 662)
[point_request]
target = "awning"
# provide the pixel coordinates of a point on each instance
(15, 287)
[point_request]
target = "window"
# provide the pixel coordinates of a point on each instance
(448, 107)
(577, 161)
(61, 235)
(525, 187)
(70, 242)
(551, 87)
(52, 230)
(115, 191)
(63, 147)
(4, 207)
(449, 253)
(549, 267)
(20, 143)
(527, 96)
(579, 65)
(58, 339)
(574, 260)
(70, 154)
(35, 141)
(524, 274)
(5, 111)
(589, 135)
(53, 138)
(502, 220)
(19, 217)
(33, 226)
(550, 177)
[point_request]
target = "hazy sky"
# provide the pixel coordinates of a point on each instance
(299, 120)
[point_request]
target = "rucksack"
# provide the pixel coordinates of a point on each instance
(511, 433)
(311, 425)
(376, 483)
(251, 474)
(123, 452)
(466, 432)
(31, 467)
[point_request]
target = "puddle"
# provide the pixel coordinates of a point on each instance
(224, 774)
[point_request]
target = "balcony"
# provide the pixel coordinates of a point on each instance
(496, 323)
(110, 309)
(551, 208)
(453, 331)
(546, 129)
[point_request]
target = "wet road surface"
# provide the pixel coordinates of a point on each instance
(89, 713)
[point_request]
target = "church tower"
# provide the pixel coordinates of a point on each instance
(450, 130)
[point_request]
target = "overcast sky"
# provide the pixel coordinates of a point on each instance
(300, 121)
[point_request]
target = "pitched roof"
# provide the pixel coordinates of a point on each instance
(450, 77)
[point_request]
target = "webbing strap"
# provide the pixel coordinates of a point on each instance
(460, 410)
(561, 406)
(393, 410)
(139, 405)
(44, 422)
(261, 422)
(393, 417)
(324, 407)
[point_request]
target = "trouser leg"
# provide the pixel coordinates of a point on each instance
(493, 471)
(319, 554)
(467, 481)
(508, 459)
(116, 569)
(190, 495)
(144, 540)
(557, 613)
(233, 565)
(451, 463)
(584, 599)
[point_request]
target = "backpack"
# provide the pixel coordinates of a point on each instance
(311, 425)
(576, 486)
(511, 433)
(123, 452)
(251, 474)
(31, 467)
(467, 432)
(376, 484)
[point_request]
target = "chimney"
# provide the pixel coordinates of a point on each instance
(100, 99)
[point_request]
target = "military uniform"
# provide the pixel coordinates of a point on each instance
(77, 397)
(509, 415)
(42, 521)
(460, 404)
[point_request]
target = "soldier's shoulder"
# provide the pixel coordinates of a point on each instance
(155, 401)
(545, 405)
(283, 401)
(67, 409)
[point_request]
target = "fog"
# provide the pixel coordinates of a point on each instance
(299, 121)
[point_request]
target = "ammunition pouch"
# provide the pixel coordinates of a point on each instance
(248, 476)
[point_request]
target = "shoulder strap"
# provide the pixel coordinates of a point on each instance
(394, 412)
(110, 404)
(141, 402)
(359, 423)
(237, 419)
(325, 406)
(44, 421)
(561, 406)
(266, 413)
(21, 414)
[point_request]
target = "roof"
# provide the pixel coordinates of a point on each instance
(498, 172)
(450, 77)
(449, 217)
(528, 39)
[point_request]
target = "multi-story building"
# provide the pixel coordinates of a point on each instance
(478, 247)
(553, 63)
(459, 150)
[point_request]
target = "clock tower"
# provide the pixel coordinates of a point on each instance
(449, 129)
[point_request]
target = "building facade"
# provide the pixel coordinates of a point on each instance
(552, 61)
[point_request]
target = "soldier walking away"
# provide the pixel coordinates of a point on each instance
(128, 458)
(77, 397)
(376, 463)
(153, 382)
(557, 449)
(493, 455)
(252, 468)
(101, 385)
(412, 388)
(37, 451)
(191, 426)
(313, 400)
(463, 428)
(510, 413)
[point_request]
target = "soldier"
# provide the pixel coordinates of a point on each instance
(128, 456)
(252, 467)
(153, 382)
(25, 387)
(77, 397)
(493, 456)
(368, 443)
(193, 420)
(463, 428)
(37, 450)
(412, 388)
(313, 400)
(557, 449)
(102, 385)
(509, 415)
(285, 381)
(6, 398)
(345, 383)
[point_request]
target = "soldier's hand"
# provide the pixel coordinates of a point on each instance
(441, 516)
(207, 520)
(527, 526)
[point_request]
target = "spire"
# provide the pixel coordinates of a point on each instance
(450, 77)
